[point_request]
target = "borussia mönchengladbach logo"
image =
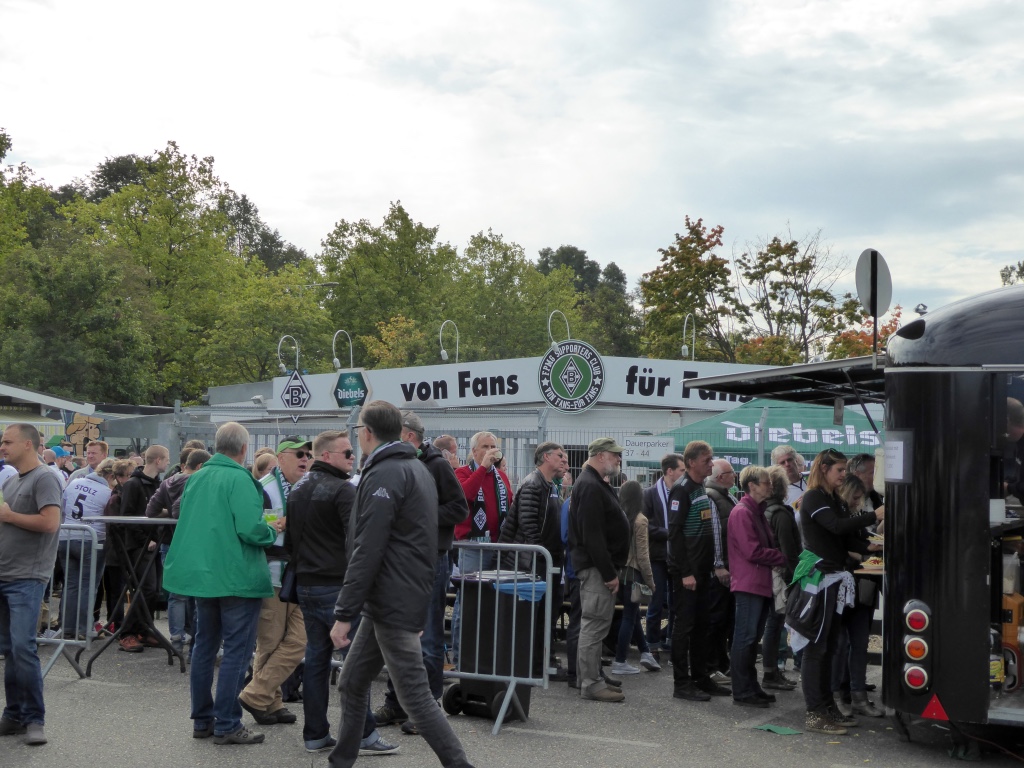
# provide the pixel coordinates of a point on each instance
(571, 378)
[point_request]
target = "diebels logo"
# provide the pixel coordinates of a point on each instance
(351, 389)
(571, 377)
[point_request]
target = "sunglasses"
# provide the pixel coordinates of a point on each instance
(348, 453)
(303, 454)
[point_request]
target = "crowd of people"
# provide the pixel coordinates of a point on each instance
(276, 564)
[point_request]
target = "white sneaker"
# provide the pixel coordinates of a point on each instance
(648, 662)
(624, 668)
(720, 677)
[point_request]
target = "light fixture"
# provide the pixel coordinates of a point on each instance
(921, 309)
(554, 344)
(686, 350)
(258, 400)
(444, 352)
(334, 354)
(280, 364)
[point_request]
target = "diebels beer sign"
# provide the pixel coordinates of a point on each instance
(572, 379)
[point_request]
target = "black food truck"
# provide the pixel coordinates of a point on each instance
(952, 613)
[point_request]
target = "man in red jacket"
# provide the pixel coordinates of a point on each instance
(489, 494)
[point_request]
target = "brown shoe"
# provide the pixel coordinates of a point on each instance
(130, 643)
(604, 693)
(149, 640)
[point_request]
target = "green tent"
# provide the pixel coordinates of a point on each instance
(54, 440)
(809, 428)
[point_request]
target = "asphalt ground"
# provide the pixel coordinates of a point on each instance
(134, 712)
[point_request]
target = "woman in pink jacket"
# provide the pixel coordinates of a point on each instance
(752, 555)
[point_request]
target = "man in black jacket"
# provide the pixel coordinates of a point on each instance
(599, 546)
(692, 565)
(138, 490)
(656, 512)
(451, 510)
(319, 507)
(392, 547)
(535, 518)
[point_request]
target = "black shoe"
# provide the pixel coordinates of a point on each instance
(202, 733)
(285, 717)
(751, 701)
(409, 728)
(870, 687)
(765, 696)
(261, 716)
(690, 692)
(775, 681)
(242, 736)
(617, 682)
(386, 715)
(573, 683)
(712, 688)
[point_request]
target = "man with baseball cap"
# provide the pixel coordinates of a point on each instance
(281, 633)
(599, 545)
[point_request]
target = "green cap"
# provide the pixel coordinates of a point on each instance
(293, 442)
(603, 444)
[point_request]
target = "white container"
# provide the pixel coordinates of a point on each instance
(997, 510)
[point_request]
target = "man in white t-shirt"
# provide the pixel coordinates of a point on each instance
(84, 498)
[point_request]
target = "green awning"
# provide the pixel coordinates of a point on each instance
(808, 428)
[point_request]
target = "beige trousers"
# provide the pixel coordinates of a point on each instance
(280, 646)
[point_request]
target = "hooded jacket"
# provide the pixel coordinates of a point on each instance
(754, 551)
(392, 541)
(452, 508)
(138, 490)
(217, 549)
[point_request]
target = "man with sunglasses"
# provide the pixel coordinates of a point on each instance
(319, 508)
(281, 634)
(452, 509)
(392, 547)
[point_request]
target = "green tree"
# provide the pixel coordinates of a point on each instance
(251, 237)
(181, 267)
(506, 301)
(587, 271)
(395, 269)
(785, 293)
(612, 320)
(692, 278)
(241, 345)
(71, 331)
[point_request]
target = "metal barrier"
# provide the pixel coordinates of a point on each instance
(78, 552)
(501, 639)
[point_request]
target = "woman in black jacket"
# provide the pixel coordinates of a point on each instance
(782, 521)
(825, 528)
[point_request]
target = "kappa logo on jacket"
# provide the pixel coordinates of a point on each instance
(382, 492)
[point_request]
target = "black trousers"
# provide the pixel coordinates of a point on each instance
(690, 632)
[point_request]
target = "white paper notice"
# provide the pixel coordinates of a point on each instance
(894, 460)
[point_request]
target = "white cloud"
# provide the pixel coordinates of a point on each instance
(599, 124)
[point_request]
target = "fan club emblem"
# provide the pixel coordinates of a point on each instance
(571, 377)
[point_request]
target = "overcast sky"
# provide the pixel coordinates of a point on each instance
(600, 124)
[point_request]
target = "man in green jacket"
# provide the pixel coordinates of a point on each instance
(217, 557)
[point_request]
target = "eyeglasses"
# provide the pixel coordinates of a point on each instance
(348, 453)
(302, 454)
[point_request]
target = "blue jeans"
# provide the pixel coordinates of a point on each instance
(23, 680)
(663, 592)
(432, 639)
(773, 628)
(77, 601)
(374, 646)
(470, 560)
(751, 614)
(317, 604)
(233, 620)
(629, 627)
(177, 606)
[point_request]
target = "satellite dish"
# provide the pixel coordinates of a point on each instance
(874, 283)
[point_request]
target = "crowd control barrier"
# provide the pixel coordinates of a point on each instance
(504, 632)
(79, 553)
